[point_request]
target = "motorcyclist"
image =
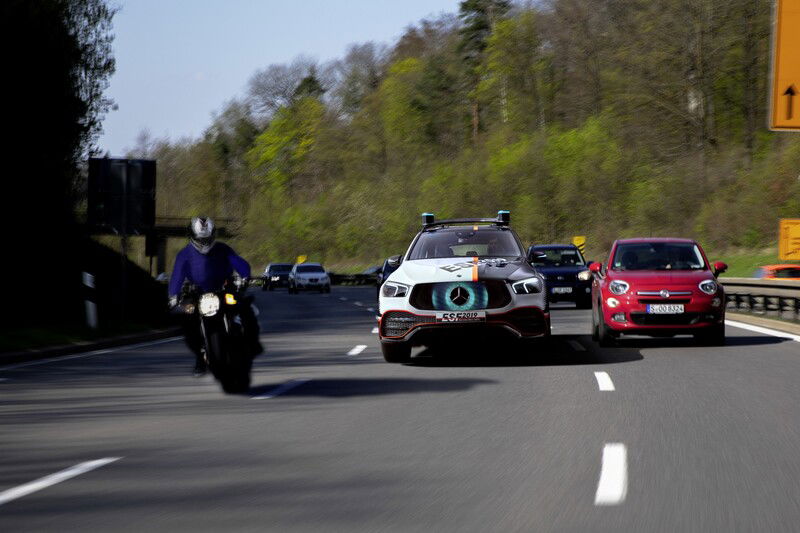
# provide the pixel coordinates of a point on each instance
(207, 264)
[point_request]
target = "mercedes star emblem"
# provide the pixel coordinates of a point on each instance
(459, 296)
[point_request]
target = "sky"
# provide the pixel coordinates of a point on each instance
(178, 61)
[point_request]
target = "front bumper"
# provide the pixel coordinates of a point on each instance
(422, 328)
(631, 316)
(578, 291)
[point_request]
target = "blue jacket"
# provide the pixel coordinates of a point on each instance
(207, 271)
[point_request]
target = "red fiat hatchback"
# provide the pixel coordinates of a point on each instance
(657, 287)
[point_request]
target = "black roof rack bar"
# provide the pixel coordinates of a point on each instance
(455, 221)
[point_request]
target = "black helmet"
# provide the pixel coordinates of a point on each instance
(202, 232)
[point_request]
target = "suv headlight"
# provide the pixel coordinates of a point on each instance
(709, 286)
(392, 289)
(527, 286)
(209, 304)
(618, 286)
(585, 275)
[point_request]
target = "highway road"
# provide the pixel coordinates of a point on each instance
(652, 435)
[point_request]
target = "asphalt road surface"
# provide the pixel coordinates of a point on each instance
(653, 435)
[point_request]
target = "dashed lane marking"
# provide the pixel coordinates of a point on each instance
(371, 309)
(578, 347)
(342, 298)
(357, 349)
(374, 330)
(613, 484)
(91, 354)
(47, 481)
(604, 382)
(358, 304)
(277, 391)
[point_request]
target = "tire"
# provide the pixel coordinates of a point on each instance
(266, 287)
(712, 336)
(595, 334)
(396, 352)
(584, 303)
(605, 337)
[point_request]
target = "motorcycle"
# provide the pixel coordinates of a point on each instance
(224, 346)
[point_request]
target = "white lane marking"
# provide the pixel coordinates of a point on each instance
(357, 349)
(371, 309)
(47, 481)
(342, 298)
(91, 354)
(613, 484)
(604, 382)
(578, 347)
(765, 331)
(358, 304)
(374, 330)
(277, 391)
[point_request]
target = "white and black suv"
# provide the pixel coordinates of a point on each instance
(460, 279)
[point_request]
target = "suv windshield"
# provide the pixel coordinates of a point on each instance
(310, 268)
(658, 256)
(557, 257)
(280, 269)
(462, 242)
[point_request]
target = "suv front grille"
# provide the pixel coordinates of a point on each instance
(490, 294)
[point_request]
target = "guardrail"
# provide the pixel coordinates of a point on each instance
(351, 279)
(778, 298)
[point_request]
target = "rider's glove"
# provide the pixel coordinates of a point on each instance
(173, 302)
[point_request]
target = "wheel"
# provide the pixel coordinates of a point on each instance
(292, 290)
(396, 352)
(584, 303)
(711, 336)
(595, 335)
(605, 337)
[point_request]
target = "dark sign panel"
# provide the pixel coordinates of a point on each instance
(121, 195)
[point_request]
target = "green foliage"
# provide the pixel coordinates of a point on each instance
(583, 117)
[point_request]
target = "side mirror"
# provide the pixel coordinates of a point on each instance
(589, 264)
(394, 261)
(596, 268)
(719, 268)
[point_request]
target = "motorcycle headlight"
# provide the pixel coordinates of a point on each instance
(209, 304)
(585, 275)
(709, 286)
(392, 289)
(527, 286)
(618, 286)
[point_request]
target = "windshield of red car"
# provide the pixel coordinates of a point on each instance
(658, 256)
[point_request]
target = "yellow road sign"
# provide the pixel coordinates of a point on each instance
(580, 242)
(301, 259)
(785, 81)
(789, 239)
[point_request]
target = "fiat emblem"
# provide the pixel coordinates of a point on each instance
(665, 293)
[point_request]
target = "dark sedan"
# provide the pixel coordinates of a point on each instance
(566, 273)
(276, 275)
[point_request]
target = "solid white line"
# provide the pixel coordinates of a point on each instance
(277, 391)
(765, 331)
(604, 382)
(578, 347)
(47, 481)
(613, 484)
(374, 330)
(357, 349)
(91, 354)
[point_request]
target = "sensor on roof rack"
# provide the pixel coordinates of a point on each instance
(427, 219)
(504, 217)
